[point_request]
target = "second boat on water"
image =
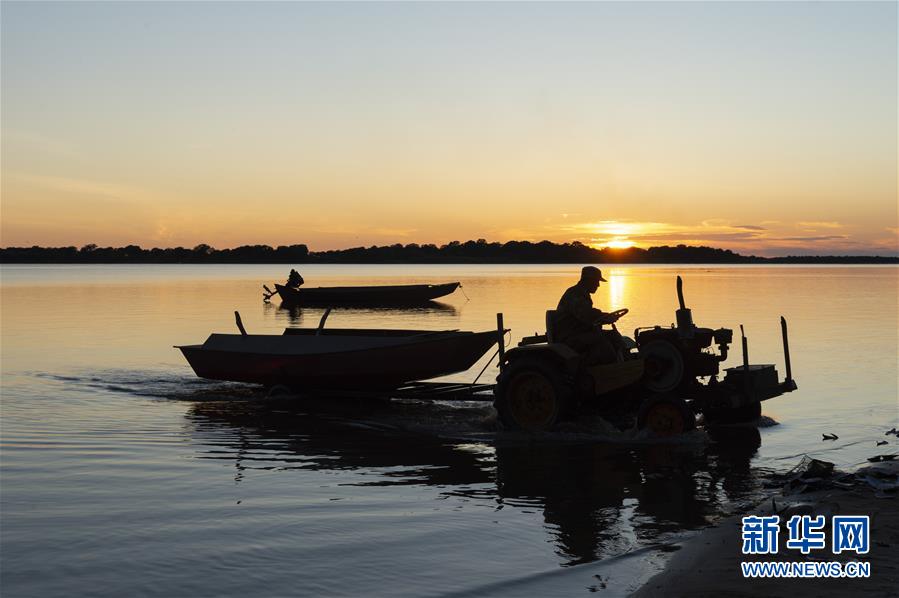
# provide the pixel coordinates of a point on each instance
(409, 294)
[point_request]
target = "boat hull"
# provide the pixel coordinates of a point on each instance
(375, 368)
(414, 294)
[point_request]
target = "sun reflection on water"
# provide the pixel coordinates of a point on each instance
(617, 288)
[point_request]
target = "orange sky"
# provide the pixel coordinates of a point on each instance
(758, 127)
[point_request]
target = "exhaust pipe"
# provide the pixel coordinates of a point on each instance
(683, 315)
(783, 331)
(501, 332)
(745, 349)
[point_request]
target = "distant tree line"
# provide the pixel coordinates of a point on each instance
(474, 252)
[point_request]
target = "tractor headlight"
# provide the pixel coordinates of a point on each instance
(723, 336)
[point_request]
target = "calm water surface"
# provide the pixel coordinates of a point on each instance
(124, 475)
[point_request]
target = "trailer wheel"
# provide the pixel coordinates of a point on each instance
(665, 415)
(736, 415)
(278, 391)
(531, 395)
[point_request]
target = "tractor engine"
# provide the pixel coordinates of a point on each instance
(676, 356)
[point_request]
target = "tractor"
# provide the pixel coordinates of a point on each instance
(665, 377)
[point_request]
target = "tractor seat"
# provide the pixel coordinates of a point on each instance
(550, 325)
(551, 314)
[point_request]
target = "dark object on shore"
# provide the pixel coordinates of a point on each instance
(882, 476)
(543, 381)
(830, 437)
(882, 442)
(812, 468)
(894, 432)
(330, 359)
(412, 294)
(809, 474)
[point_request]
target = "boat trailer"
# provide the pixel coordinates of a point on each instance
(419, 391)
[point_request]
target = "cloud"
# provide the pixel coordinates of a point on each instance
(42, 143)
(816, 224)
(697, 235)
(810, 239)
(394, 232)
(662, 232)
(95, 189)
(750, 227)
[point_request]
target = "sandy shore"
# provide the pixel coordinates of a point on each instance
(709, 563)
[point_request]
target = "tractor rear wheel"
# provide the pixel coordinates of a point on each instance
(665, 415)
(531, 395)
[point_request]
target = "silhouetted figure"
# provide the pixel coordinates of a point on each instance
(294, 280)
(578, 323)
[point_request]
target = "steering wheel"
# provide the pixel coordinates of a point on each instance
(609, 319)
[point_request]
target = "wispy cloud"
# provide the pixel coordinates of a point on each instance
(95, 189)
(809, 239)
(394, 232)
(42, 144)
(817, 224)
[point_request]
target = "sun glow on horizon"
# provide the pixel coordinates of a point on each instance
(619, 243)
(613, 234)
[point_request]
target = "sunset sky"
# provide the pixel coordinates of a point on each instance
(762, 127)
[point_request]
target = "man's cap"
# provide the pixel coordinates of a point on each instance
(592, 272)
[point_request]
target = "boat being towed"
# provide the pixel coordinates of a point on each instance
(337, 359)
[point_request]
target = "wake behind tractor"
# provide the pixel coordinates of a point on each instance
(665, 376)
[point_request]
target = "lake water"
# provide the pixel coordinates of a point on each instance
(122, 474)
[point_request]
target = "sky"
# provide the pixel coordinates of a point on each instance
(768, 128)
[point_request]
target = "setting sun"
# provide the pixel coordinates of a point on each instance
(619, 244)
(615, 234)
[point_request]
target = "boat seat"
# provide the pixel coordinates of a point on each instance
(550, 325)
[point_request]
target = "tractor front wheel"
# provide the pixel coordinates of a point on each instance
(665, 415)
(531, 395)
(735, 415)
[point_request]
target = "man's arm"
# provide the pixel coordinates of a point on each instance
(582, 309)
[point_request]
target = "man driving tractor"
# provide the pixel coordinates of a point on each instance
(579, 325)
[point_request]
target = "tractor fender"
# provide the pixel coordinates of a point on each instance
(557, 353)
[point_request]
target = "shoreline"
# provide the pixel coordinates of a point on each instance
(708, 563)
